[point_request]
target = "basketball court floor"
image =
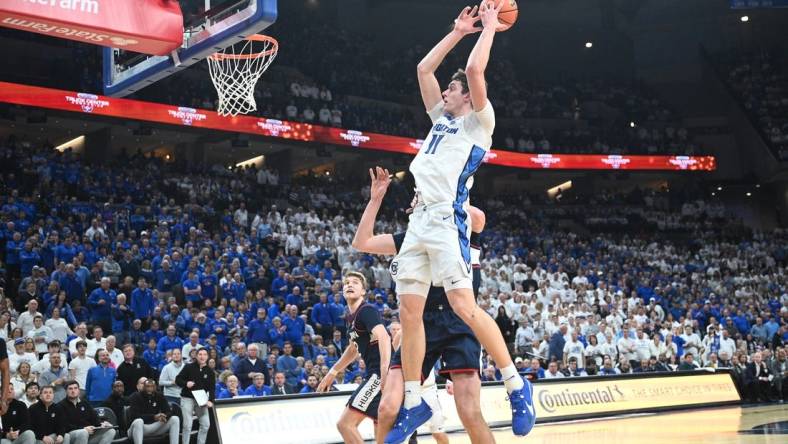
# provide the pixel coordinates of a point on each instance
(727, 425)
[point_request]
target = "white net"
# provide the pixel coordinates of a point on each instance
(235, 71)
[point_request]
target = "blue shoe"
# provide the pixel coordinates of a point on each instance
(523, 411)
(408, 420)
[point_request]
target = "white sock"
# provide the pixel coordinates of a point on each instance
(412, 394)
(511, 379)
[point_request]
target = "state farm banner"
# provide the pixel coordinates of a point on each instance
(308, 132)
(146, 26)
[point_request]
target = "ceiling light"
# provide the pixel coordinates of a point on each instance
(589, 45)
(745, 18)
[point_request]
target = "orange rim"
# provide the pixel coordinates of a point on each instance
(255, 38)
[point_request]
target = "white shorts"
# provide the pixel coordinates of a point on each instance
(436, 249)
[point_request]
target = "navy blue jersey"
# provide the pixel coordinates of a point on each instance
(360, 324)
(436, 297)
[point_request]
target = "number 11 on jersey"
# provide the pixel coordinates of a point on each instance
(434, 142)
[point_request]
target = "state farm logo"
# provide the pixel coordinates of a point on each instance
(88, 102)
(417, 144)
(615, 161)
(546, 160)
(683, 162)
(355, 138)
(187, 115)
(273, 126)
(489, 155)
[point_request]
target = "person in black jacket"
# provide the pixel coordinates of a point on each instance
(117, 403)
(132, 369)
(758, 379)
(249, 365)
(196, 376)
(80, 421)
(150, 415)
(16, 423)
(44, 417)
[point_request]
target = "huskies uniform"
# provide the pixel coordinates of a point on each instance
(448, 337)
(366, 398)
(436, 247)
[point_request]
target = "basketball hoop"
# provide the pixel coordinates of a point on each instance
(235, 73)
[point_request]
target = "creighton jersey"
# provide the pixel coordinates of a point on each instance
(451, 153)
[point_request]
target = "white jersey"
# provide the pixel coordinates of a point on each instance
(451, 153)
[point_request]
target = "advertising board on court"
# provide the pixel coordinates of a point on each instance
(312, 418)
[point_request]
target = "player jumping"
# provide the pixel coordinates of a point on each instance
(436, 247)
(368, 338)
(448, 338)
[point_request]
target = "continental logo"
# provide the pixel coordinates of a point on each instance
(550, 401)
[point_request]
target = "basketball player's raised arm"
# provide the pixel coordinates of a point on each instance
(428, 83)
(480, 55)
(365, 239)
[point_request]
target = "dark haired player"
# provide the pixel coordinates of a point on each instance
(437, 245)
(370, 340)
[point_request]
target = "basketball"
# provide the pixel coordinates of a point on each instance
(508, 14)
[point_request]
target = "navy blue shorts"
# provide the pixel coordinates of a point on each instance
(450, 340)
(366, 398)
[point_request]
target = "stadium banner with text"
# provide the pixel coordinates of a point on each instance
(751, 4)
(192, 117)
(146, 26)
(313, 418)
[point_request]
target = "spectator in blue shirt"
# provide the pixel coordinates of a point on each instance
(66, 251)
(288, 365)
(279, 285)
(294, 332)
(258, 387)
(771, 328)
(154, 332)
(142, 301)
(100, 302)
(72, 285)
(165, 278)
(169, 341)
(322, 318)
(557, 343)
(232, 390)
(277, 333)
(100, 378)
(311, 384)
(759, 331)
(218, 326)
(28, 257)
(209, 283)
(154, 357)
(258, 328)
(535, 368)
(192, 289)
(122, 318)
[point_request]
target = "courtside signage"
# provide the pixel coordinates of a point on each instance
(307, 132)
(146, 26)
(313, 419)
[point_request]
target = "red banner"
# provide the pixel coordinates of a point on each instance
(146, 26)
(179, 115)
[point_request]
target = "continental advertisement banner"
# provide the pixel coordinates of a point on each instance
(313, 419)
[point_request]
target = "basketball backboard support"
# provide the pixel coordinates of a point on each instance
(219, 27)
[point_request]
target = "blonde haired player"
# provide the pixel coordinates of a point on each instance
(436, 247)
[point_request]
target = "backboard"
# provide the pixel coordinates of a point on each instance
(217, 25)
